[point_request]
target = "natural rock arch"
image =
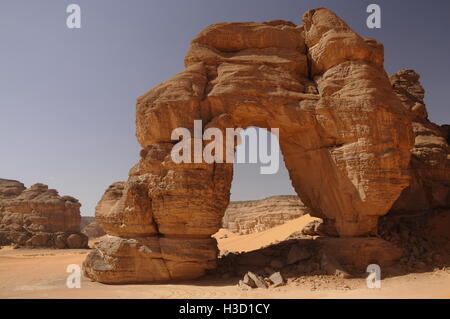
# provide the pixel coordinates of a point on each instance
(344, 134)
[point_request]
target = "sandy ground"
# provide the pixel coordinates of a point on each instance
(41, 273)
(240, 243)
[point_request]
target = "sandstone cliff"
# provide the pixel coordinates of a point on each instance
(245, 217)
(429, 189)
(38, 217)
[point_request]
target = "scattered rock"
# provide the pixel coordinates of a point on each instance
(254, 280)
(248, 281)
(276, 279)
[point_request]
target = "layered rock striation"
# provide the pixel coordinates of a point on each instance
(246, 217)
(38, 217)
(429, 168)
(344, 133)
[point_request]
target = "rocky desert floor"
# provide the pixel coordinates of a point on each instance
(41, 273)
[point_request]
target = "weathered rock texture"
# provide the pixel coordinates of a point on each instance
(419, 220)
(38, 217)
(344, 134)
(245, 217)
(299, 257)
(91, 228)
(429, 189)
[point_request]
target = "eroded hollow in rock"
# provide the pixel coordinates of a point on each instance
(343, 131)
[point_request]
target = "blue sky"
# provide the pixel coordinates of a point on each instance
(67, 97)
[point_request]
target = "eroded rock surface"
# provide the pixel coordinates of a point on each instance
(38, 217)
(91, 227)
(429, 189)
(246, 217)
(344, 133)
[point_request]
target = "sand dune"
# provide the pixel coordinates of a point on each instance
(239, 243)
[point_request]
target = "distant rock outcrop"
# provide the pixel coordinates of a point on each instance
(91, 227)
(245, 217)
(38, 217)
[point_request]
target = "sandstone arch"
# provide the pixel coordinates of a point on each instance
(344, 134)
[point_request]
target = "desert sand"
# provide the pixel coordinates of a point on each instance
(240, 243)
(41, 273)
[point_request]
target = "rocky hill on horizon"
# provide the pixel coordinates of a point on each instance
(246, 217)
(38, 217)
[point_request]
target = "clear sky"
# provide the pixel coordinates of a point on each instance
(67, 97)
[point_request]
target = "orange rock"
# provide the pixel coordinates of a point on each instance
(344, 134)
(430, 163)
(39, 217)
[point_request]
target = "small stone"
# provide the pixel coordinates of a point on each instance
(248, 281)
(276, 279)
(257, 280)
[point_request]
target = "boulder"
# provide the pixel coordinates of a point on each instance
(91, 227)
(254, 281)
(276, 279)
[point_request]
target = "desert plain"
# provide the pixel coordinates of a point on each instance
(41, 273)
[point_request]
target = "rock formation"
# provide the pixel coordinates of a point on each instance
(38, 217)
(245, 217)
(91, 228)
(419, 220)
(343, 131)
(429, 189)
